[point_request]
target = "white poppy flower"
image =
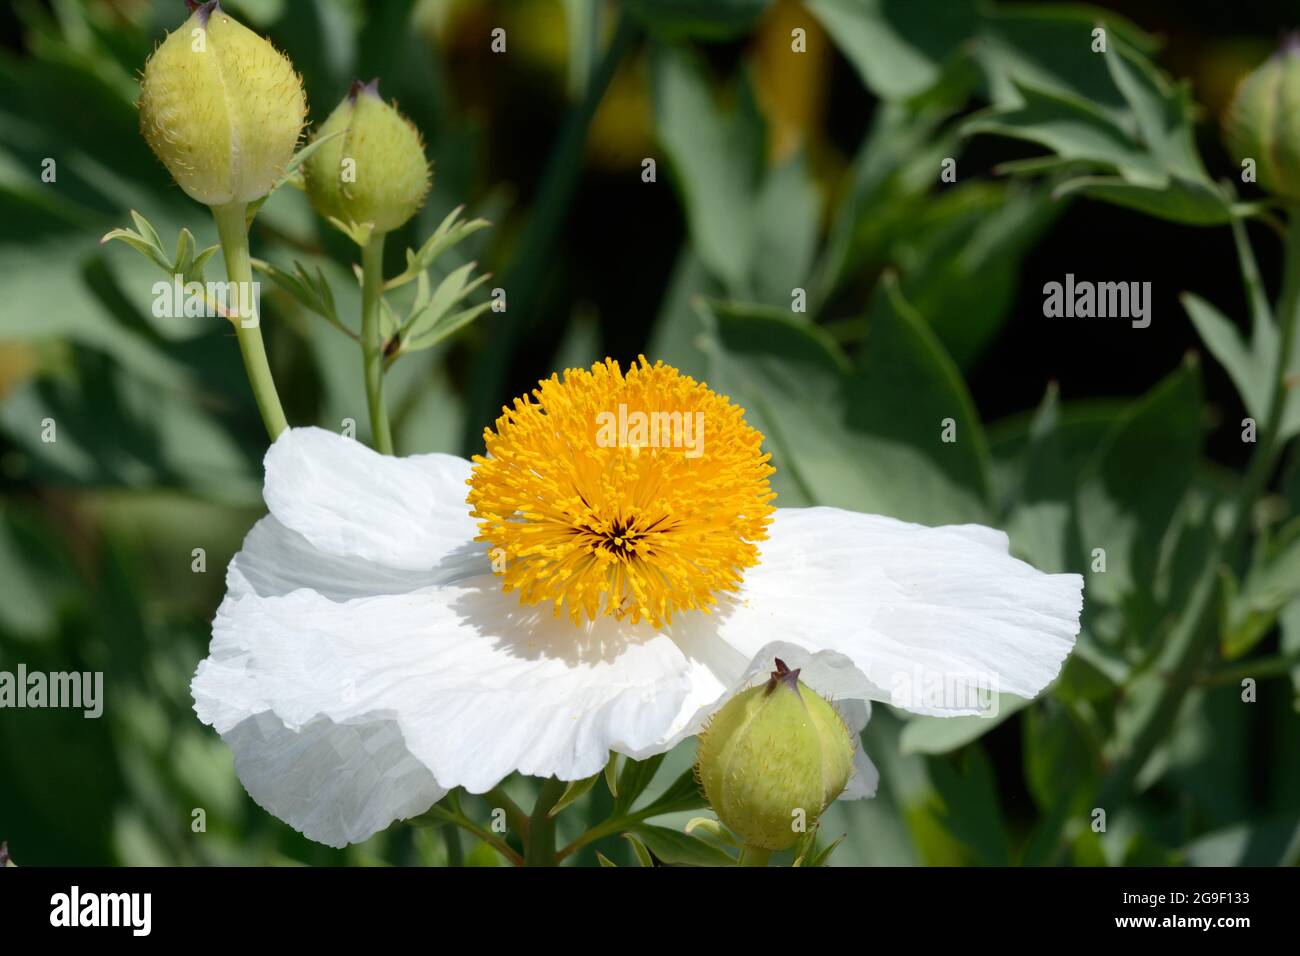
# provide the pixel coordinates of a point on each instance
(383, 641)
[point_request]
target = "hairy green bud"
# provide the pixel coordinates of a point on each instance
(1263, 121)
(221, 108)
(373, 171)
(772, 759)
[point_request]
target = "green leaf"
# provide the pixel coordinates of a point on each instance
(450, 232)
(38, 579)
(1144, 146)
(680, 849)
(1272, 583)
(1075, 130)
(443, 329)
(1163, 111)
(1050, 47)
(968, 796)
(1272, 842)
(611, 775)
(786, 214)
(1250, 371)
(311, 291)
(115, 428)
(1178, 200)
(716, 157)
(899, 47)
(635, 777)
(433, 321)
(1252, 363)
(821, 857)
(823, 418)
(941, 735)
(891, 179)
(716, 832)
(961, 260)
(683, 794)
(1129, 491)
(643, 857)
(1060, 764)
(1057, 443)
(141, 245)
(574, 792)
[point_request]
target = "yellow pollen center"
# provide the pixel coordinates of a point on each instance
(633, 495)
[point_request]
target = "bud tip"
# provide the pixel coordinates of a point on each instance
(783, 675)
(372, 88)
(204, 10)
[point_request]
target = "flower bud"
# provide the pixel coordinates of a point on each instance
(1263, 121)
(221, 108)
(772, 759)
(375, 172)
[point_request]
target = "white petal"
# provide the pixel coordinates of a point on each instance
(337, 783)
(929, 616)
(276, 560)
(407, 513)
(475, 685)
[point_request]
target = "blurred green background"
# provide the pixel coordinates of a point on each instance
(775, 170)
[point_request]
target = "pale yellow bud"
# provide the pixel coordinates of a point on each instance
(772, 759)
(373, 171)
(221, 108)
(1263, 122)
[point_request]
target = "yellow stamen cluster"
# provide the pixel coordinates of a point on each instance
(633, 495)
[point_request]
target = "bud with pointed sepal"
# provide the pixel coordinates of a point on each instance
(222, 108)
(371, 176)
(1263, 121)
(773, 756)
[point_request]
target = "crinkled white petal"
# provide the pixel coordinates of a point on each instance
(348, 500)
(337, 783)
(275, 561)
(931, 617)
(475, 685)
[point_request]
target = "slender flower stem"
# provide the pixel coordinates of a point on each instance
(540, 848)
(232, 228)
(455, 852)
(516, 819)
(607, 828)
(451, 814)
(754, 856)
(372, 291)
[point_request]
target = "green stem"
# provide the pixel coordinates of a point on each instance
(455, 852)
(754, 856)
(372, 347)
(232, 228)
(516, 819)
(451, 814)
(540, 848)
(1260, 668)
